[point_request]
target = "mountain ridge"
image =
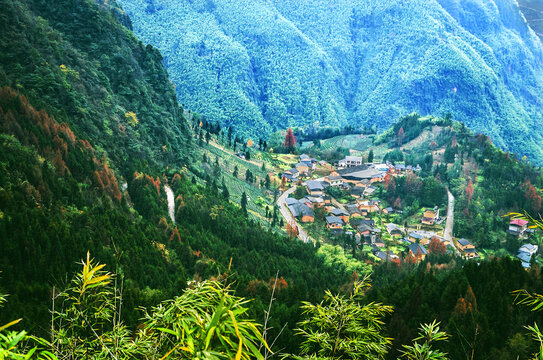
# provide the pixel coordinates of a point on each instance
(267, 65)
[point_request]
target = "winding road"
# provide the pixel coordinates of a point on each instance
(287, 216)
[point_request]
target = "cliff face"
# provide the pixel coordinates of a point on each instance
(264, 65)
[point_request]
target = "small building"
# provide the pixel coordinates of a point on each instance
(300, 210)
(352, 161)
(399, 169)
(303, 169)
(394, 230)
(340, 213)
(357, 192)
(368, 206)
(524, 257)
(304, 157)
(369, 190)
(291, 175)
(517, 227)
(529, 249)
(388, 210)
(241, 155)
(334, 222)
(334, 180)
(467, 248)
(430, 216)
(314, 201)
(307, 214)
(415, 237)
(353, 210)
(417, 251)
(387, 256)
(314, 187)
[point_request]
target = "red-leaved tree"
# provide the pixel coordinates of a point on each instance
(290, 140)
(436, 246)
(400, 136)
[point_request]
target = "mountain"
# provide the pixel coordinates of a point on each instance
(266, 65)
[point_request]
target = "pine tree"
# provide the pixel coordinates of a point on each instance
(370, 156)
(244, 204)
(235, 173)
(225, 192)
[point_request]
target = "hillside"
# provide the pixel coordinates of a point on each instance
(90, 133)
(269, 65)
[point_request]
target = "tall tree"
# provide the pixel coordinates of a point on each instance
(290, 140)
(370, 156)
(244, 203)
(400, 136)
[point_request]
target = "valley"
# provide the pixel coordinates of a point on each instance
(139, 223)
(386, 208)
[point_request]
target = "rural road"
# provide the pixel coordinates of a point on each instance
(448, 233)
(287, 216)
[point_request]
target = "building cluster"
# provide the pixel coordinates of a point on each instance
(520, 229)
(359, 179)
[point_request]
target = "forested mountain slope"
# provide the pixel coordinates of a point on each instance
(90, 132)
(266, 65)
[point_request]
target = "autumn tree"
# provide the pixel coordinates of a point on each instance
(290, 140)
(469, 191)
(400, 136)
(250, 143)
(454, 142)
(532, 197)
(292, 229)
(436, 246)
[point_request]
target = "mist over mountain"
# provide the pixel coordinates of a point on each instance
(265, 65)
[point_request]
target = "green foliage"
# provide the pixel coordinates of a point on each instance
(207, 322)
(335, 258)
(429, 333)
(342, 327)
(88, 324)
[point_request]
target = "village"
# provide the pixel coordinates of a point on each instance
(345, 205)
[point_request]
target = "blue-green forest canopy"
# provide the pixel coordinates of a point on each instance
(266, 65)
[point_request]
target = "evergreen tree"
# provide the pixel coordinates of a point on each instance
(235, 173)
(244, 204)
(370, 156)
(225, 192)
(249, 176)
